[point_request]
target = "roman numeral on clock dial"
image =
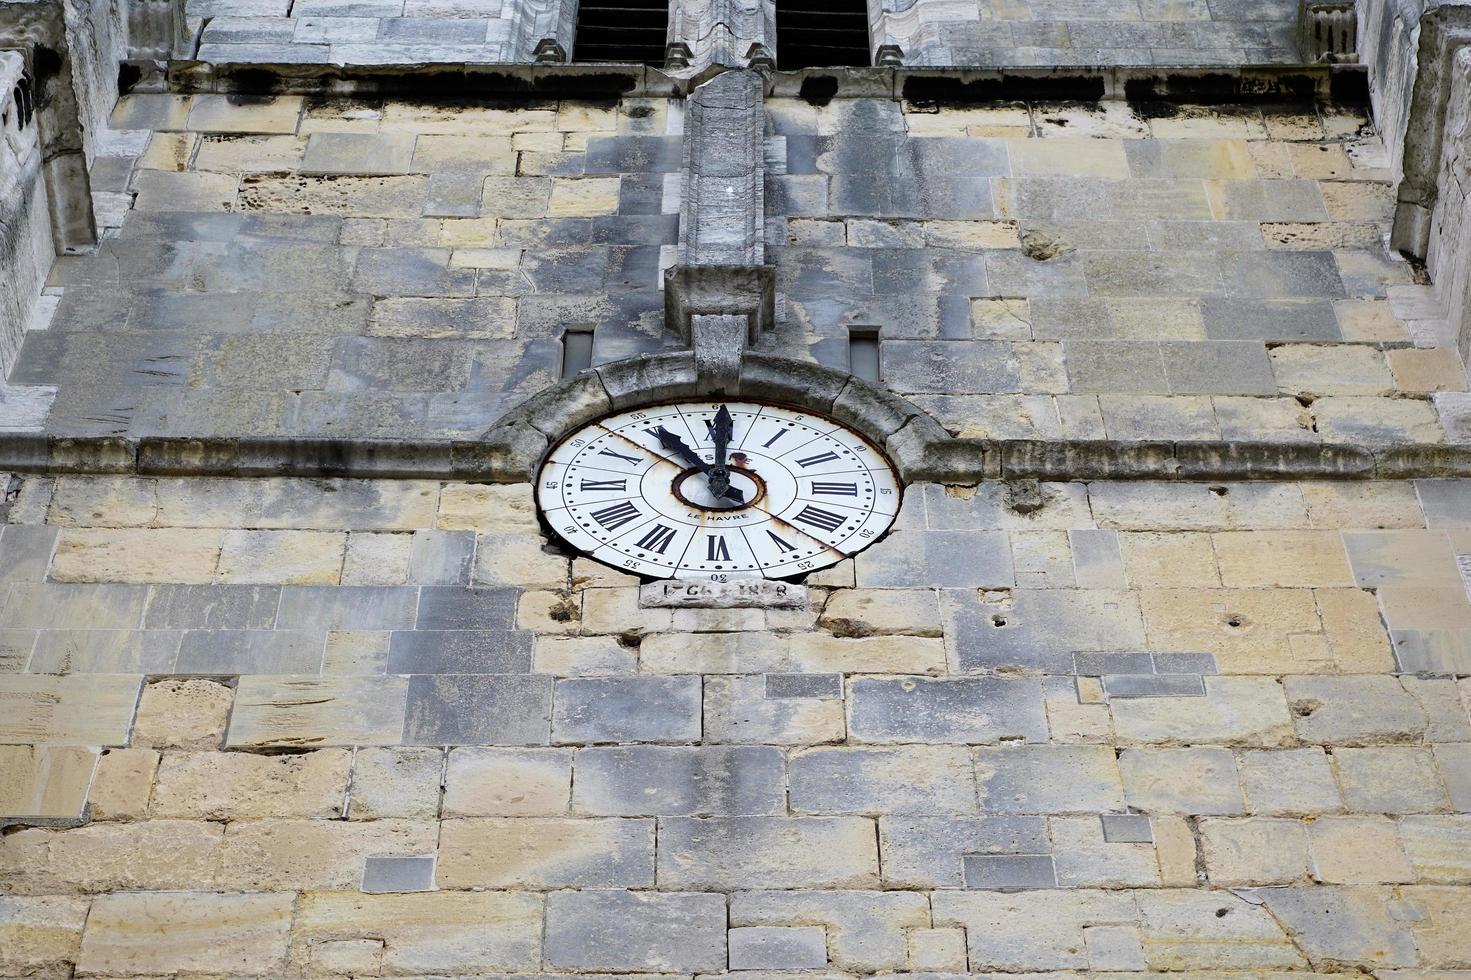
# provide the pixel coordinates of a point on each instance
(835, 489)
(817, 517)
(616, 516)
(657, 538)
(715, 548)
(820, 458)
(603, 485)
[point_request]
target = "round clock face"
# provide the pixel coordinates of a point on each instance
(717, 490)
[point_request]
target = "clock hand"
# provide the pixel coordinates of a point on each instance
(720, 433)
(718, 475)
(674, 443)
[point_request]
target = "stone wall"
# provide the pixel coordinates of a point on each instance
(25, 230)
(1096, 271)
(303, 728)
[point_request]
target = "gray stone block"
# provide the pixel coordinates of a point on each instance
(448, 608)
(1048, 779)
(478, 709)
(778, 948)
(1447, 503)
(1222, 367)
(1098, 664)
(1115, 366)
(1153, 685)
(398, 874)
(88, 651)
(1345, 925)
(247, 607)
(926, 851)
(441, 557)
(1353, 710)
(635, 932)
(923, 558)
(649, 780)
(25, 552)
(1184, 663)
(821, 686)
(332, 607)
(1127, 828)
(1009, 872)
(903, 779)
(1041, 629)
(961, 709)
(729, 853)
(627, 709)
(460, 652)
(251, 652)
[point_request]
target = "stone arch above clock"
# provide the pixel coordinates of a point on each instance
(914, 441)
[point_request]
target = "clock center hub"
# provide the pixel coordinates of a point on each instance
(692, 487)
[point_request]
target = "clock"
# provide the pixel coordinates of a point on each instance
(718, 491)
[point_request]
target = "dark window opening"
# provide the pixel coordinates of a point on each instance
(821, 33)
(576, 352)
(863, 353)
(621, 31)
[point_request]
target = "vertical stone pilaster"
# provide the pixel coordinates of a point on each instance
(529, 22)
(721, 215)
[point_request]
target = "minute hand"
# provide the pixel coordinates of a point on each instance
(675, 444)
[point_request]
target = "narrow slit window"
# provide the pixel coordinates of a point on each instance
(621, 31)
(576, 352)
(822, 34)
(863, 354)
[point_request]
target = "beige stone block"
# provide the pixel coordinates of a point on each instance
(1246, 629)
(1184, 929)
(162, 190)
(1108, 119)
(1076, 711)
(318, 711)
(819, 653)
(107, 857)
(1321, 161)
(308, 855)
(737, 710)
(151, 111)
(1000, 319)
(1175, 847)
(1438, 916)
(865, 612)
(937, 950)
(617, 611)
(237, 114)
(282, 557)
(1313, 236)
(538, 142)
(1357, 851)
(466, 233)
(971, 234)
(1177, 558)
(1235, 711)
(500, 259)
(487, 507)
(135, 555)
(1356, 634)
(549, 612)
(1288, 125)
(1438, 847)
(377, 558)
(360, 197)
(1161, 506)
(44, 781)
(1281, 559)
(1065, 157)
(519, 558)
(1270, 159)
(545, 852)
(1254, 851)
(434, 932)
(1344, 419)
(1367, 320)
(241, 785)
(122, 784)
(40, 937)
(516, 197)
(1362, 504)
(464, 154)
(70, 709)
(1337, 370)
(249, 154)
(998, 122)
(1210, 123)
(1424, 608)
(103, 501)
(194, 932)
(583, 196)
(1210, 159)
(1419, 369)
(582, 656)
(493, 782)
(1358, 201)
(424, 117)
(1002, 932)
(395, 783)
(183, 714)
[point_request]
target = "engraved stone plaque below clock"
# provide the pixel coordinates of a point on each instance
(752, 593)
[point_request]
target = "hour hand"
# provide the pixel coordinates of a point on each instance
(720, 433)
(719, 478)
(675, 444)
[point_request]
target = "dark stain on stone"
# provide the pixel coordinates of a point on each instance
(954, 91)
(818, 90)
(1159, 98)
(128, 75)
(252, 81)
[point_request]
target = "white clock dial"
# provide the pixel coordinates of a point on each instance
(804, 492)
